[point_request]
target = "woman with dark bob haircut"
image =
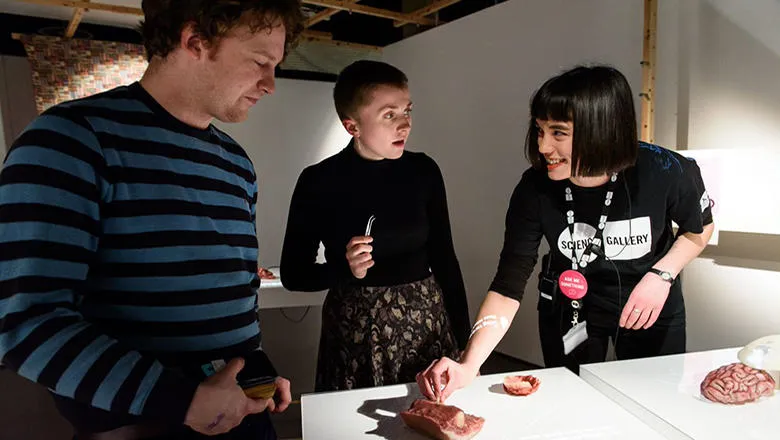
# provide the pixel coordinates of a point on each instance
(605, 203)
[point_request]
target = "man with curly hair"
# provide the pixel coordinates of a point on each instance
(127, 235)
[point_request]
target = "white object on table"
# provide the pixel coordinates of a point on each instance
(665, 393)
(273, 295)
(763, 354)
(564, 407)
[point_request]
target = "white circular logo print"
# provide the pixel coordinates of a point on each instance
(583, 236)
(622, 240)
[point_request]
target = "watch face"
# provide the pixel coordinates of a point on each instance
(666, 276)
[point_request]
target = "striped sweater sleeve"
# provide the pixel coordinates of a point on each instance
(255, 283)
(51, 187)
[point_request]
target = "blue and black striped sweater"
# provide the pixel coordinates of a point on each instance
(127, 248)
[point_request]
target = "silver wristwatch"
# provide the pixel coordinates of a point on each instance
(666, 276)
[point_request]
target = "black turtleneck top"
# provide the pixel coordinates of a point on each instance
(333, 201)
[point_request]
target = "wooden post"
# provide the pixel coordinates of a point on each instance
(647, 129)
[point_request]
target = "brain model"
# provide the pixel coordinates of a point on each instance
(735, 384)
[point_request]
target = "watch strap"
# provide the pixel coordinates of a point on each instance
(666, 276)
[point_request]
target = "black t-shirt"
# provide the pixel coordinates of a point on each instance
(663, 187)
(333, 201)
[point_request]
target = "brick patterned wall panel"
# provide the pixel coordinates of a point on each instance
(65, 69)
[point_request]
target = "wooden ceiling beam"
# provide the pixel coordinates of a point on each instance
(309, 35)
(435, 6)
(88, 5)
(341, 5)
(323, 15)
(78, 13)
(368, 10)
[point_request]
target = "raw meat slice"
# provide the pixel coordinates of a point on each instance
(736, 384)
(442, 422)
(265, 274)
(521, 385)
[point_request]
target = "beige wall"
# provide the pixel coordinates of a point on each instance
(17, 105)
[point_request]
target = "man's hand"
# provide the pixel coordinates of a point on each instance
(282, 396)
(220, 405)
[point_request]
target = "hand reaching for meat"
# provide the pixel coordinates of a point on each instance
(443, 377)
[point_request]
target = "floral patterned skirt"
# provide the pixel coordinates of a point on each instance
(374, 336)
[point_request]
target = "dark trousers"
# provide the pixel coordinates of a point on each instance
(663, 338)
(253, 427)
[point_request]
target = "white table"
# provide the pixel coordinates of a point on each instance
(273, 295)
(664, 392)
(563, 408)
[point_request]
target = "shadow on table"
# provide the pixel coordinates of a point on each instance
(497, 388)
(387, 413)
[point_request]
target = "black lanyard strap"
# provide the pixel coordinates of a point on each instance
(586, 253)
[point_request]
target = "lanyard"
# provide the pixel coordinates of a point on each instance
(586, 253)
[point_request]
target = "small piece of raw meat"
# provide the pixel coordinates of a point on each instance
(521, 385)
(735, 384)
(265, 274)
(442, 422)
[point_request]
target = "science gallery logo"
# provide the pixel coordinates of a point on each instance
(623, 239)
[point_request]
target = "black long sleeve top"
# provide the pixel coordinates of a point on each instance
(333, 201)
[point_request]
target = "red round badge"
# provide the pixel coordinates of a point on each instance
(573, 284)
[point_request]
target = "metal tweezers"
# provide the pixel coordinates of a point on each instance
(368, 226)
